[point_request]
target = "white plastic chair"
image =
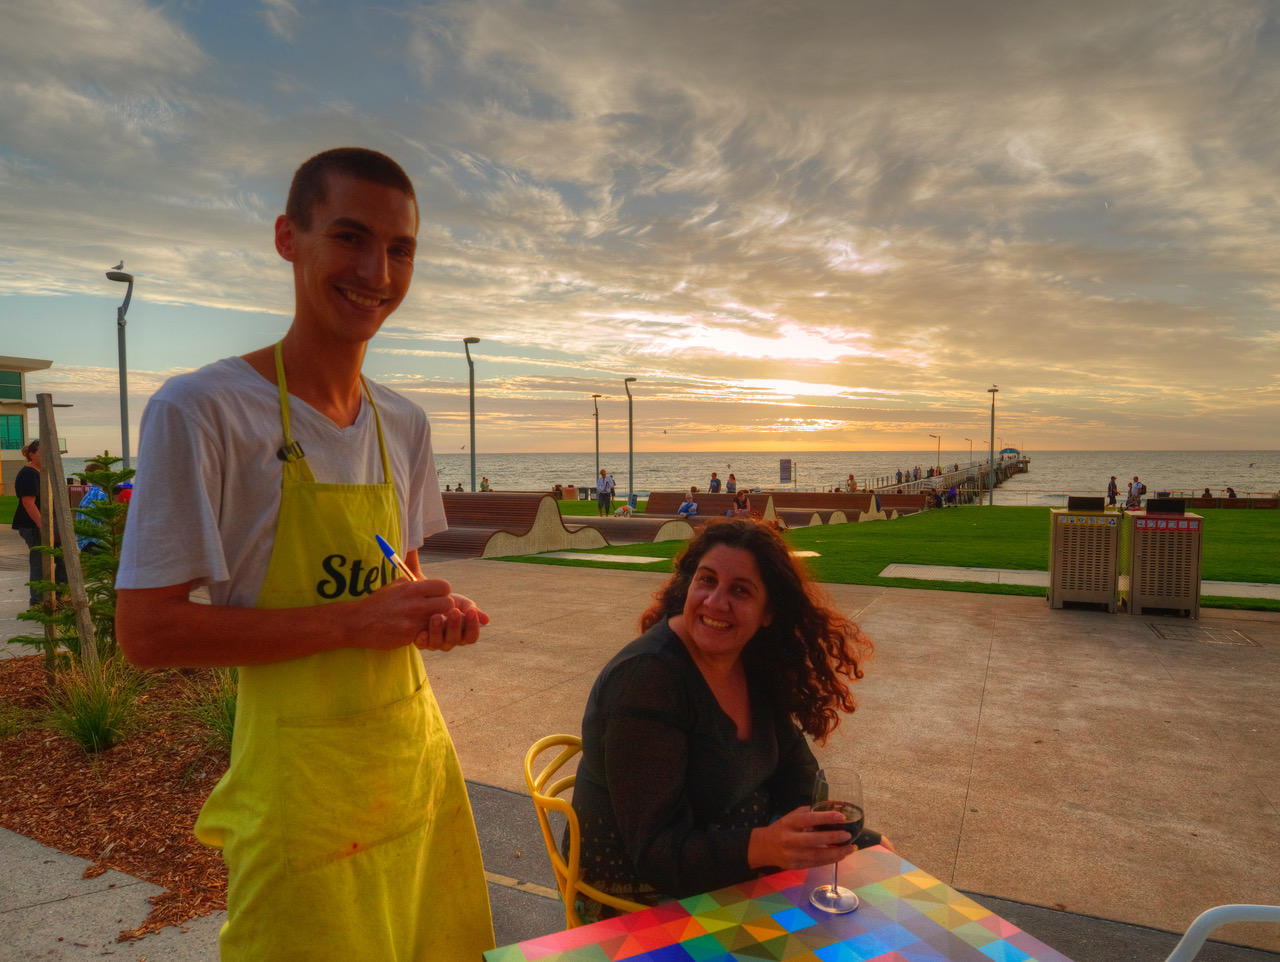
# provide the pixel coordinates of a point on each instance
(1199, 930)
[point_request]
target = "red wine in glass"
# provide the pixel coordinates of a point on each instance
(853, 817)
(838, 790)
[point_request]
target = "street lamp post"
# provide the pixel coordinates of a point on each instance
(122, 277)
(631, 457)
(595, 403)
(471, 369)
(970, 440)
(939, 462)
(991, 476)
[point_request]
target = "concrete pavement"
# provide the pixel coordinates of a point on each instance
(1095, 778)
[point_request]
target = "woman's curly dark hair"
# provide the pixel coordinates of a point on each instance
(804, 656)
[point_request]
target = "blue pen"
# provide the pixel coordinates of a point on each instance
(394, 558)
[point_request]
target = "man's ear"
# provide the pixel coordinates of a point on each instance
(285, 236)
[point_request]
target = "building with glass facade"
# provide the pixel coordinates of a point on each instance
(13, 414)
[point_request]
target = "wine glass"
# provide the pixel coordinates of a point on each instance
(838, 790)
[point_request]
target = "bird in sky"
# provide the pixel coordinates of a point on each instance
(119, 267)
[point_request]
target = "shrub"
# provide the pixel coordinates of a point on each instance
(12, 720)
(96, 713)
(213, 705)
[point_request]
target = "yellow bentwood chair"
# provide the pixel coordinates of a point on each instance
(547, 789)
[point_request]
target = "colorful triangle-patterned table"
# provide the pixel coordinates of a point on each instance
(906, 915)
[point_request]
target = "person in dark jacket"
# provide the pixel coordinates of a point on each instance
(695, 771)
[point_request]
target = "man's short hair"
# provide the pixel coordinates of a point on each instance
(308, 187)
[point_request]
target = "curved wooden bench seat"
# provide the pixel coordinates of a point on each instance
(832, 507)
(904, 503)
(498, 524)
(640, 529)
(667, 504)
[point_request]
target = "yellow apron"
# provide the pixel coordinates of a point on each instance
(343, 817)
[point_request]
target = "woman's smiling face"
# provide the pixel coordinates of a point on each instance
(727, 603)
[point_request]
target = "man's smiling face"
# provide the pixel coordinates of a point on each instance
(353, 264)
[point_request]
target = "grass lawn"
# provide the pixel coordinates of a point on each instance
(1238, 546)
(8, 505)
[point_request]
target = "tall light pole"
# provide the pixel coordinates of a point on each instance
(991, 476)
(471, 368)
(970, 440)
(122, 277)
(631, 456)
(595, 403)
(939, 437)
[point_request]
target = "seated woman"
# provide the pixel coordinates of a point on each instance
(741, 507)
(695, 772)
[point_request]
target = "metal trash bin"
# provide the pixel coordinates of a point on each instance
(1160, 558)
(1084, 547)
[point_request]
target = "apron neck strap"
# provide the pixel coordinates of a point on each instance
(292, 450)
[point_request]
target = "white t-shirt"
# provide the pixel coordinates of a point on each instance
(207, 492)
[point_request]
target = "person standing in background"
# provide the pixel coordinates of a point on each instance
(604, 493)
(95, 493)
(27, 519)
(714, 486)
(1113, 491)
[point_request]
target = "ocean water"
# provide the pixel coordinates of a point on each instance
(1053, 475)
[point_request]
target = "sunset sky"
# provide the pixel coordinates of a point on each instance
(801, 226)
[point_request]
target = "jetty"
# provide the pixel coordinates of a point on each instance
(971, 480)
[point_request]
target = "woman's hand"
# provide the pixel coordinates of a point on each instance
(795, 841)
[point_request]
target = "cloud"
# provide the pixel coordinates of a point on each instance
(909, 199)
(281, 17)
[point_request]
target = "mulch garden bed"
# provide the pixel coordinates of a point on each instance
(130, 808)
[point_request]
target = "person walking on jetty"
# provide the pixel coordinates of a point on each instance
(1113, 490)
(714, 486)
(604, 492)
(343, 817)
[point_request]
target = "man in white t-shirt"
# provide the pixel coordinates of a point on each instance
(343, 817)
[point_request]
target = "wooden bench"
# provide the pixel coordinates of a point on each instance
(498, 524)
(902, 504)
(1232, 502)
(667, 504)
(831, 507)
(640, 529)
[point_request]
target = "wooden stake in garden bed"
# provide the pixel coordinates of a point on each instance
(61, 519)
